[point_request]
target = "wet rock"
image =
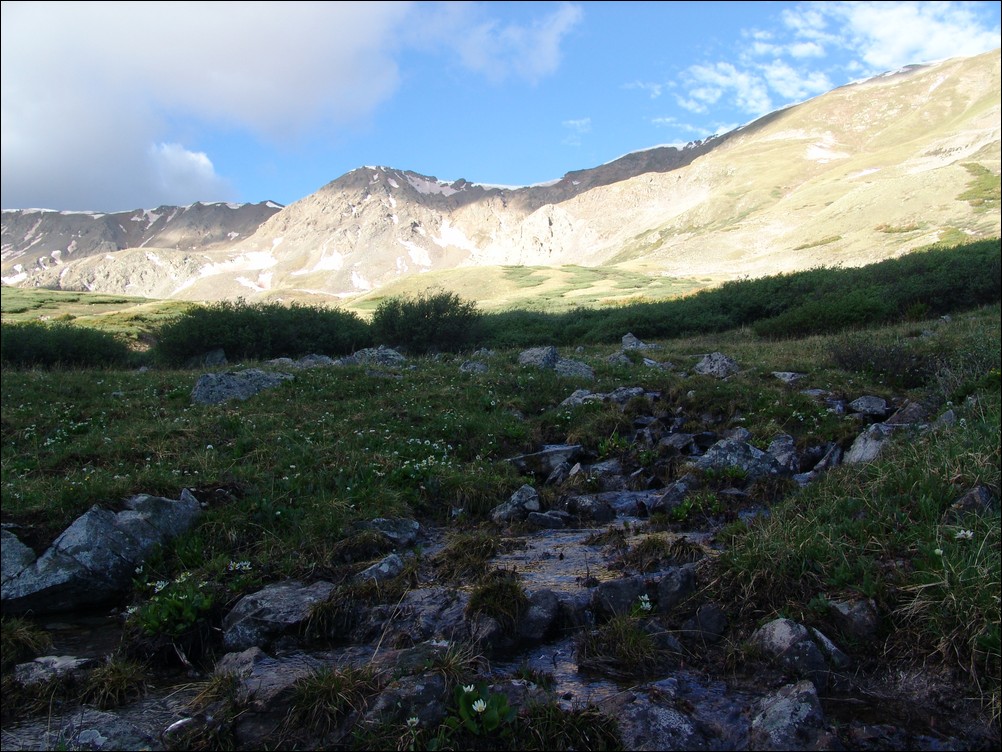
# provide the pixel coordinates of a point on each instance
(91, 729)
(796, 648)
(216, 388)
(262, 678)
(423, 696)
(868, 444)
(523, 501)
(387, 569)
(674, 586)
(857, 618)
(539, 357)
(552, 520)
(275, 610)
(540, 617)
(549, 458)
(588, 508)
(47, 668)
(95, 558)
(618, 596)
(14, 556)
(870, 406)
(400, 531)
(708, 625)
(717, 365)
(433, 613)
(731, 453)
(789, 719)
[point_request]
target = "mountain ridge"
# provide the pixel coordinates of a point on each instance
(869, 170)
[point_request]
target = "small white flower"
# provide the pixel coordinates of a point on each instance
(480, 706)
(412, 721)
(963, 535)
(208, 447)
(645, 603)
(938, 552)
(467, 688)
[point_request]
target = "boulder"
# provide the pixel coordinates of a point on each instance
(732, 453)
(260, 617)
(788, 719)
(95, 558)
(549, 458)
(574, 369)
(375, 356)
(539, 357)
(868, 444)
(717, 365)
(216, 388)
(870, 406)
(523, 501)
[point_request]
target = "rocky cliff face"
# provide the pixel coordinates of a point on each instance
(865, 172)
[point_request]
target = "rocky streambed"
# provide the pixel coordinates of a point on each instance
(593, 602)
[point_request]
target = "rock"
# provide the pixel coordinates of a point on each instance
(790, 378)
(717, 365)
(261, 679)
(675, 493)
(91, 729)
(375, 356)
(387, 569)
(473, 366)
(15, 557)
(795, 648)
(551, 520)
(788, 719)
(618, 596)
(676, 584)
(648, 725)
(523, 501)
(94, 559)
(260, 617)
(619, 359)
(431, 613)
(731, 453)
(857, 619)
(874, 407)
(784, 449)
(979, 500)
(400, 531)
(539, 357)
(216, 388)
(540, 617)
(947, 419)
(549, 458)
(588, 508)
(52, 667)
(708, 625)
(574, 369)
(908, 414)
(868, 444)
(424, 697)
(632, 343)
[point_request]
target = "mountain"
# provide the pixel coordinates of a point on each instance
(867, 171)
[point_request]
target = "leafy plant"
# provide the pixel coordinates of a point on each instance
(431, 322)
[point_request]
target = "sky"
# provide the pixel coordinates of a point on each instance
(119, 106)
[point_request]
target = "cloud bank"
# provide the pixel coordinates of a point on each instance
(103, 103)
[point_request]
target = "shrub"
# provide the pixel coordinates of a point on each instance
(427, 323)
(55, 345)
(260, 331)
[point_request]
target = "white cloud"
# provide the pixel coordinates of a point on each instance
(890, 35)
(794, 83)
(91, 92)
(528, 52)
(654, 89)
(708, 83)
(582, 125)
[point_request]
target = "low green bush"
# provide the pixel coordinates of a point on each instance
(61, 345)
(259, 332)
(431, 322)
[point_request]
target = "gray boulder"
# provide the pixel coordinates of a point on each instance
(790, 378)
(732, 453)
(523, 501)
(717, 365)
(788, 719)
(574, 369)
(549, 458)
(273, 611)
(868, 444)
(216, 388)
(95, 558)
(784, 449)
(540, 617)
(390, 567)
(539, 357)
(400, 531)
(870, 406)
(15, 557)
(473, 366)
(618, 596)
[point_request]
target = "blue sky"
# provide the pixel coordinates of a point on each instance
(116, 106)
